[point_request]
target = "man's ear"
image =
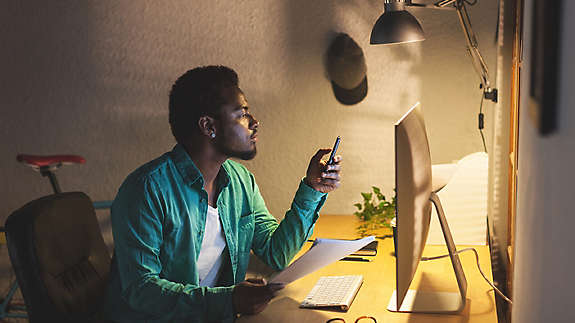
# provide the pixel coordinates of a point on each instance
(207, 126)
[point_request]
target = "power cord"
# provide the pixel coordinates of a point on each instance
(478, 267)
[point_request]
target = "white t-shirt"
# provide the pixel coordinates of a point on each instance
(211, 253)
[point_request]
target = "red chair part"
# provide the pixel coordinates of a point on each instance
(36, 161)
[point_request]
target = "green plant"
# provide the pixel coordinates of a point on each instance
(375, 213)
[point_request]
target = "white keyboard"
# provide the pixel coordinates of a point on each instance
(333, 291)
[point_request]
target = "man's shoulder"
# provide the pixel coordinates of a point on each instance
(150, 170)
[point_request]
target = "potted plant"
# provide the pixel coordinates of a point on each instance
(375, 213)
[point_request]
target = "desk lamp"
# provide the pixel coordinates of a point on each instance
(397, 26)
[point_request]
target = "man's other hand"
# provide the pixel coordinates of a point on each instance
(320, 176)
(253, 295)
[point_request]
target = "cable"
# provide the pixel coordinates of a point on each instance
(481, 123)
(478, 267)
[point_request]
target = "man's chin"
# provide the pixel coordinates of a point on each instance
(245, 155)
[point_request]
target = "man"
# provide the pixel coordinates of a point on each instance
(184, 224)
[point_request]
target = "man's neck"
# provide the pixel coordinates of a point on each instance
(209, 163)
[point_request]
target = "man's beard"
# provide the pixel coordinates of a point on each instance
(243, 155)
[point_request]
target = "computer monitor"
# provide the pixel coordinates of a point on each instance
(413, 182)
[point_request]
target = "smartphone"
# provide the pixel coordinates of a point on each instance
(330, 161)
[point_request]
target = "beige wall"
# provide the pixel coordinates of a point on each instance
(92, 78)
(544, 280)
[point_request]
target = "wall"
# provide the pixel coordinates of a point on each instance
(92, 78)
(544, 280)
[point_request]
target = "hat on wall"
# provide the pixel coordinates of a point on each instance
(347, 70)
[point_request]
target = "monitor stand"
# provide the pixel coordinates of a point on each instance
(436, 302)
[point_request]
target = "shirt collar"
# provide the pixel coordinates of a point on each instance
(190, 173)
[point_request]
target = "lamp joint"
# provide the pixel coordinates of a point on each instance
(491, 94)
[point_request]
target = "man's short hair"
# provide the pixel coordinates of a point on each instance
(197, 93)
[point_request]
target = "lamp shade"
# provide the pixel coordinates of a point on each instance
(396, 26)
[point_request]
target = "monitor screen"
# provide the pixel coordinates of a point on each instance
(413, 184)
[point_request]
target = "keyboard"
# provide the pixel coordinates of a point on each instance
(333, 291)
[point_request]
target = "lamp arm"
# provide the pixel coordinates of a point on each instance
(473, 49)
(472, 44)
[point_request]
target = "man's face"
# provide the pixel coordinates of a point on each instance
(236, 128)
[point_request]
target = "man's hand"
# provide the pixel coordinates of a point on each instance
(320, 176)
(253, 295)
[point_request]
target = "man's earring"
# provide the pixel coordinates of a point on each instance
(213, 135)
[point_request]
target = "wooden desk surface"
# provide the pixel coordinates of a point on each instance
(379, 284)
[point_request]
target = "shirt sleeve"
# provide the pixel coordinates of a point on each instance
(276, 244)
(137, 228)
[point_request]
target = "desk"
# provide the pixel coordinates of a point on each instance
(379, 283)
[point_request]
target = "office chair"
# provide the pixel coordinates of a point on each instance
(59, 257)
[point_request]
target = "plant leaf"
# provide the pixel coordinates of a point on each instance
(367, 196)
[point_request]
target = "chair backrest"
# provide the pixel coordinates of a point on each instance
(59, 257)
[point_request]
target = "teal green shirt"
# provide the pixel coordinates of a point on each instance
(158, 221)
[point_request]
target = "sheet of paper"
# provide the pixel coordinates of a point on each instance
(322, 253)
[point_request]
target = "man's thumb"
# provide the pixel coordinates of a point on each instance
(320, 153)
